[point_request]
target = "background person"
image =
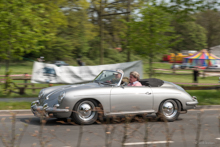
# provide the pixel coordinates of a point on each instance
(195, 75)
(134, 79)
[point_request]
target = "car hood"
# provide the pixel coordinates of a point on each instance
(63, 87)
(53, 92)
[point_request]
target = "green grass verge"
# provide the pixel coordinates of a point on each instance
(162, 65)
(18, 68)
(183, 78)
(14, 105)
(28, 92)
(206, 97)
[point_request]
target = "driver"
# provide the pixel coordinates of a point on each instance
(118, 75)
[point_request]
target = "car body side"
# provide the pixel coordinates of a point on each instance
(103, 95)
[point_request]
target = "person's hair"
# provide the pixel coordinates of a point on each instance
(119, 70)
(135, 75)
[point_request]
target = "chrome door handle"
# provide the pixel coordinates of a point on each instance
(148, 93)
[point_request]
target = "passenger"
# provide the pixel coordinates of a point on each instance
(134, 79)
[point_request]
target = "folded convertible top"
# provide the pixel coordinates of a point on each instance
(152, 82)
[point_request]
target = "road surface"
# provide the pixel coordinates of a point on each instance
(184, 132)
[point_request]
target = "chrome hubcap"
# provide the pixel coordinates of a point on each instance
(169, 109)
(86, 110)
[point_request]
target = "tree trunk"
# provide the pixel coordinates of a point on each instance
(150, 49)
(174, 63)
(101, 33)
(7, 62)
(128, 32)
(150, 66)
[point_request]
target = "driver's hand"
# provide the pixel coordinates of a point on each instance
(108, 81)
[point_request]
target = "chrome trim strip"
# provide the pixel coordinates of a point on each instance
(47, 97)
(40, 111)
(131, 112)
(48, 109)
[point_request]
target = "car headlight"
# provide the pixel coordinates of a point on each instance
(41, 94)
(61, 96)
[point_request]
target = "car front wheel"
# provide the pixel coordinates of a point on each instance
(85, 112)
(169, 110)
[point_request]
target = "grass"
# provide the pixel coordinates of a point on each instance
(18, 68)
(162, 65)
(184, 78)
(28, 92)
(14, 105)
(206, 97)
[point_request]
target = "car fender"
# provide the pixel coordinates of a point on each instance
(162, 94)
(102, 95)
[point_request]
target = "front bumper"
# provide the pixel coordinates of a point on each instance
(194, 103)
(43, 111)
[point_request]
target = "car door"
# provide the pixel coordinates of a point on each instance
(131, 98)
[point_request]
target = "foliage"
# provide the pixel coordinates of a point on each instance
(21, 28)
(9, 85)
(148, 32)
(183, 11)
(191, 36)
(210, 20)
(110, 14)
(56, 19)
(67, 29)
(72, 38)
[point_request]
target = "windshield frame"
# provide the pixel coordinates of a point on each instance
(119, 83)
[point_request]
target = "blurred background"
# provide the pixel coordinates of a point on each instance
(173, 38)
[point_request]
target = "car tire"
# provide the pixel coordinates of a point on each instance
(85, 112)
(169, 110)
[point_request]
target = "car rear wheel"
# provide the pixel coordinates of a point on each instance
(85, 112)
(168, 111)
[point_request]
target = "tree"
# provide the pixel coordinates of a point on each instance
(210, 20)
(182, 11)
(149, 31)
(22, 28)
(108, 16)
(75, 36)
(191, 36)
(56, 19)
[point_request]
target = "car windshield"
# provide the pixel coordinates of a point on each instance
(108, 77)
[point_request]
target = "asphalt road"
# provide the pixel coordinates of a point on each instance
(182, 133)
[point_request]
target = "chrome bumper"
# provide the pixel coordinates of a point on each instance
(40, 111)
(193, 103)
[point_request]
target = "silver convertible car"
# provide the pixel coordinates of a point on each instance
(112, 96)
